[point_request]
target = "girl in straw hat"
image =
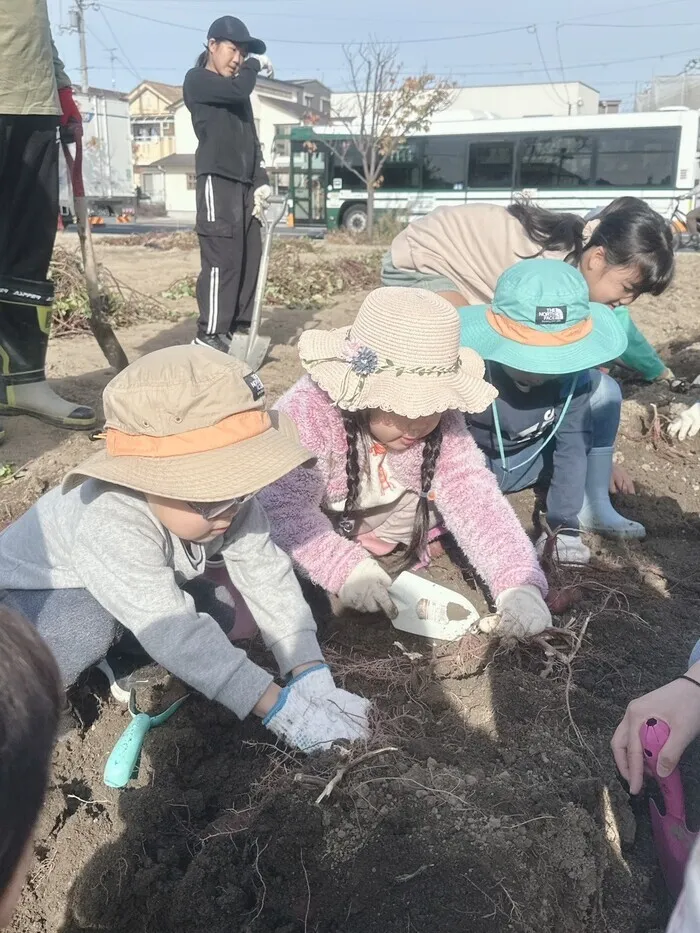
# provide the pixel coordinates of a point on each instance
(381, 408)
(124, 543)
(540, 337)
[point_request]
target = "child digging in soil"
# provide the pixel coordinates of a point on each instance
(382, 410)
(29, 707)
(125, 541)
(540, 337)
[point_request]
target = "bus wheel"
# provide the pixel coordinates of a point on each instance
(355, 219)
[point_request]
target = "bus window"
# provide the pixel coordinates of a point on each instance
(637, 158)
(401, 171)
(549, 161)
(491, 164)
(444, 163)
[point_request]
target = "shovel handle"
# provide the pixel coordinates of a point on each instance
(121, 763)
(654, 735)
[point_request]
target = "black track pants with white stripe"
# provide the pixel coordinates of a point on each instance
(230, 248)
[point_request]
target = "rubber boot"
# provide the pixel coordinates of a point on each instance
(24, 339)
(598, 514)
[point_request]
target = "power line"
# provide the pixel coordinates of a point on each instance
(316, 42)
(119, 45)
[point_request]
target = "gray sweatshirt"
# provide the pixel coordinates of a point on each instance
(106, 539)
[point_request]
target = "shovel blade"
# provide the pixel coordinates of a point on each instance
(409, 589)
(673, 841)
(256, 356)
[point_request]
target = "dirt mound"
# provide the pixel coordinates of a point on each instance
(498, 807)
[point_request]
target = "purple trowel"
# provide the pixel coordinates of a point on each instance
(672, 837)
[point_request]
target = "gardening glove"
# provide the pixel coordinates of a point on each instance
(520, 613)
(568, 549)
(367, 589)
(687, 424)
(318, 682)
(71, 121)
(261, 199)
(267, 69)
(313, 724)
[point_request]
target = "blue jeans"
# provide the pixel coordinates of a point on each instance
(605, 404)
(694, 654)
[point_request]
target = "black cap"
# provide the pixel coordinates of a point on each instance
(235, 30)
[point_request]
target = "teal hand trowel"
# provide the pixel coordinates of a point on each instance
(123, 761)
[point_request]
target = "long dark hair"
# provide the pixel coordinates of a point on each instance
(630, 232)
(355, 423)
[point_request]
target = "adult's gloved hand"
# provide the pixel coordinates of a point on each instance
(71, 121)
(520, 613)
(314, 723)
(567, 549)
(266, 67)
(318, 682)
(687, 424)
(367, 589)
(261, 199)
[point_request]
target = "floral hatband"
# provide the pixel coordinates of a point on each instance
(363, 361)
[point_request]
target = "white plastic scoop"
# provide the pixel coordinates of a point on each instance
(433, 611)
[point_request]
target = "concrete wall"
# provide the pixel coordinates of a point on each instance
(178, 198)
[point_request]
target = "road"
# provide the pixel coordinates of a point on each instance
(165, 225)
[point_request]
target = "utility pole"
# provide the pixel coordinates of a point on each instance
(77, 24)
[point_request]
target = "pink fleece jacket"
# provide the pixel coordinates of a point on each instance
(467, 497)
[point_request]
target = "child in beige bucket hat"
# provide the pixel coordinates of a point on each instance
(382, 410)
(124, 544)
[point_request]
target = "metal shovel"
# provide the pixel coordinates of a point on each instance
(251, 347)
(672, 838)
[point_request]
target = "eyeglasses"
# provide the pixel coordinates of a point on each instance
(211, 510)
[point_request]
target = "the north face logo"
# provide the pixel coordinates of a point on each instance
(551, 314)
(254, 383)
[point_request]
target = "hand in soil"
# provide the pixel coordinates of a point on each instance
(678, 705)
(621, 481)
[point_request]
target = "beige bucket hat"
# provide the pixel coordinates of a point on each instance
(190, 423)
(402, 355)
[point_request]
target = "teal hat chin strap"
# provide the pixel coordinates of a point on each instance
(499, 434)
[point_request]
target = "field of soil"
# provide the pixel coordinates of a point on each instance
(494, 804)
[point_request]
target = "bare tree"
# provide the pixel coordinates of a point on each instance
(382, 108)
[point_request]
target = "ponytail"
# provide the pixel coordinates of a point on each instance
(202, 58)
(630, 232)
(552, 232)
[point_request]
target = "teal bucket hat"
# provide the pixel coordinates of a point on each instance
(541, 321)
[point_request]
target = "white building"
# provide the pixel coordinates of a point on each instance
(562, 99)
(277, 105)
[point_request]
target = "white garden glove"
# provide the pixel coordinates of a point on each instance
(313, 724)
(318, 682)
(261, 199)
(367, 589)
(267, 69)
(520, 613)
(568, 549)
(687, 424)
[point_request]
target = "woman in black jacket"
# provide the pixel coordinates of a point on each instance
(232, 184)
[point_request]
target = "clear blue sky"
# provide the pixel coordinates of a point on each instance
(610, 45)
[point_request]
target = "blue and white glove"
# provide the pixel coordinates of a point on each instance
(313, 723)
(318, 682)
(568, 549)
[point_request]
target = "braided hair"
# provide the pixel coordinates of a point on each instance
(421, 523)
(354, 424)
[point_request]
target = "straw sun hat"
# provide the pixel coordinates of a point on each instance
(189, 423)
(401, 355)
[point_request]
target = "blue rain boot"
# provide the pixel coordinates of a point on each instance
(598, 514)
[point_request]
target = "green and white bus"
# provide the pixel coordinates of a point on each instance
(563, 163)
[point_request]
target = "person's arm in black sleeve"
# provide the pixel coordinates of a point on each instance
(571, 444)
(260, 176)
(207, 87)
